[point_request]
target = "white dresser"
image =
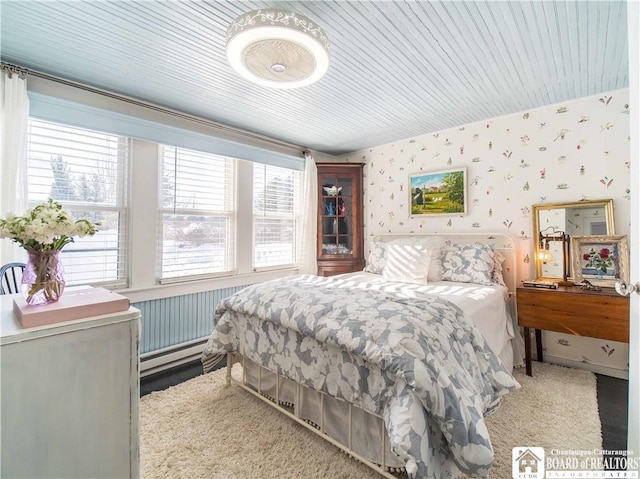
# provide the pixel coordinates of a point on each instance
(69, 397)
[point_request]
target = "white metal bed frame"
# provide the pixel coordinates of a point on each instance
(502, 242)
(233, 358)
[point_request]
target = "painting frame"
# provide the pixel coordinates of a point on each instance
(438, 193)
(589, 264)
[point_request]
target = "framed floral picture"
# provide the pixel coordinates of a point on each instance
(602, 260)
(438, 193)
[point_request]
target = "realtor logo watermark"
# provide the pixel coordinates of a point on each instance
(536, 463)
(528, 462)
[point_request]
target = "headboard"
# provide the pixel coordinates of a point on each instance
(501, 242)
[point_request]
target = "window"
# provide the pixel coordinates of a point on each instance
(86, 171)
(274, 215)
(197, 214)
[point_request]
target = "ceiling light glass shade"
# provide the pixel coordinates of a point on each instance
(277, 48)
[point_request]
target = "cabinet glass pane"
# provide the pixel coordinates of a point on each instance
(337, 230)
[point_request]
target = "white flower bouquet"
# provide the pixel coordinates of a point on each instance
(47, 227)
(43, 232)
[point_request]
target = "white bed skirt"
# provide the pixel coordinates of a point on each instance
(367, 436)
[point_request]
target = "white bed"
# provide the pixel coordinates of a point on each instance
(350, 415)
(486, 305)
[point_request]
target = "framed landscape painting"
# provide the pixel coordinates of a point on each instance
(439, 193)
(601, 260)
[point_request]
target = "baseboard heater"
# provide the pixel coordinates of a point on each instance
(170, 357)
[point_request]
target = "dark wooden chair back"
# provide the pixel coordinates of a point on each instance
(11, 277)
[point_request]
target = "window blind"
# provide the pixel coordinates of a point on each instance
(133, 119)
(86, 171)
(197, 214)
(276, 194)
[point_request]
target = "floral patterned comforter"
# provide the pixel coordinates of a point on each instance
(413, 360)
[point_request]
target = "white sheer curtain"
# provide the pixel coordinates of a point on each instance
(14, 121)
(307, 244)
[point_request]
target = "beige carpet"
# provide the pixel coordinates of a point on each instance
(200, 429)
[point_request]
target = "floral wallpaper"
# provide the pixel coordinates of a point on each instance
(566, 152)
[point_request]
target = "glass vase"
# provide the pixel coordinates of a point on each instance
(43, 277)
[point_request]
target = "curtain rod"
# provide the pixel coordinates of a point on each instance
(23, 72)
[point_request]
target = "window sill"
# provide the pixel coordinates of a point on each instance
(160, 291)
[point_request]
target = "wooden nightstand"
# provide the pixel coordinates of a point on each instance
(595, 314)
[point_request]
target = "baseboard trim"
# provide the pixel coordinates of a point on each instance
(594, 368)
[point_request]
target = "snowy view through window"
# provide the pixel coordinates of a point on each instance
(85, 171)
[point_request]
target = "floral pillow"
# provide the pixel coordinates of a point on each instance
(496, 274)
(377, 258)
(468, 263)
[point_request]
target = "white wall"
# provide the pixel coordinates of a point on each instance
(565, 152)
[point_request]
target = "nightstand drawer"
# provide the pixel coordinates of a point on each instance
(571, 310)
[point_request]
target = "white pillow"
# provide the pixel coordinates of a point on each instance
(435, 266)
(407, 263)
(435, 245)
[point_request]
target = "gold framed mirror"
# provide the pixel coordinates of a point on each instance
(553, 226)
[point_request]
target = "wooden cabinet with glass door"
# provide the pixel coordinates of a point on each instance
(340, 227)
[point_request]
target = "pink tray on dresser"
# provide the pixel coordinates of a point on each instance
(74, 304)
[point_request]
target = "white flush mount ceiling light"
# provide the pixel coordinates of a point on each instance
(277, 48)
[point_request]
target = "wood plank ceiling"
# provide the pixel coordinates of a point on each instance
(398, 68)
